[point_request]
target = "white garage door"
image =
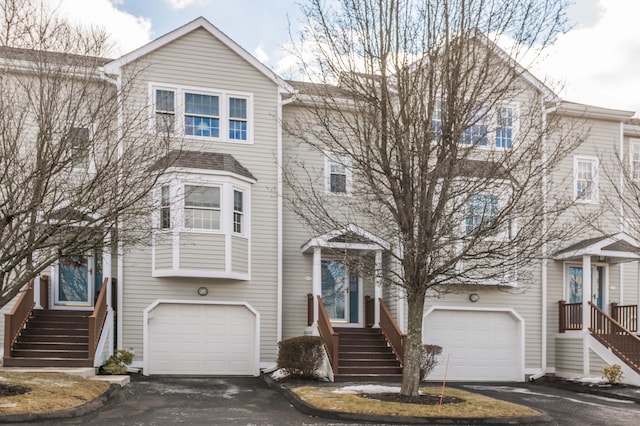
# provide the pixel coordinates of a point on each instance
(481, 345)
(201, 339)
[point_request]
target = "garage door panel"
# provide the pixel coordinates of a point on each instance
(481, 345)
(201, 339)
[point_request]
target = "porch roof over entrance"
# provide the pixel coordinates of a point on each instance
(616, 248)
(351, 237)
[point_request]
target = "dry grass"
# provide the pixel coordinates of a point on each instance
(474, 405)
(49, 392)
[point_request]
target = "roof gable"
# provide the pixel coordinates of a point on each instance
(114, 66)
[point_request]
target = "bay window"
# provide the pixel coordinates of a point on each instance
(202, 207)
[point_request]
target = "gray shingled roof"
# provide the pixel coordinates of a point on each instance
(203, 160)
(18, 54)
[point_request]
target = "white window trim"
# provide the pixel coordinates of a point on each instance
(634, 147)
(503, 234)
(233, 211)
(595, 198)
(565, 280)
(490, 120)
(91, 167)
(223, 107)
(330, 158)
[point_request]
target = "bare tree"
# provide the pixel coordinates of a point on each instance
(446, 134)
(74, 166)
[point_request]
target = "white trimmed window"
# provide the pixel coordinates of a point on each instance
(482, 210)
(202, 207)
(504, 127)
(476, 133)
(238, 212)
(635, 159)
(585, 179)
(165, 207)
(205, 113)
(165, 110)
(338, 175)
(80, 148)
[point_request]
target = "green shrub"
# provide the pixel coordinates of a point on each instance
(118, 362)
(300, 356)
(612, 373)
(429, 359)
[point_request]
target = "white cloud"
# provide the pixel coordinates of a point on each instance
(182, 4)
(128, 31)
(260, 54)
(600, 63)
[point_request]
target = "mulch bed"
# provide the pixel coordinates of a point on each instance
(8, 390)
(422, 399)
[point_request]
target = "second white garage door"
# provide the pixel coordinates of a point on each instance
(482, 345)
(201, 339)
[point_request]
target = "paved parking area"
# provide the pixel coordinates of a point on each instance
(249, 401)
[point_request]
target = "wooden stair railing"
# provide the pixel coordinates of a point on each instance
(369, 311)
(97, 319)
(570, 316)
(328, 335)
(15, 320)
(392, 332)
(627, 315)
(623, 342)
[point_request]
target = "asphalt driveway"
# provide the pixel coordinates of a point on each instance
(249, 401)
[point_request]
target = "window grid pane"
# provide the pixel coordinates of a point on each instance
(79, 137)
(202, 116)
(202, 207)
(237, 211)
(482, 209)
(165, 210)
(504, 132)
(584, 180)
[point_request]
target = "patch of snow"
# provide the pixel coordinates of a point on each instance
(591, 380)
(604, 398)
(367, 389)
(9, 405)
(279, 374)
(50, 382)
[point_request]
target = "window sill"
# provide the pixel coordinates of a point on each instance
(199, 273)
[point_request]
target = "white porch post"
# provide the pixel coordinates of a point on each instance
(586, 291)
(316, 281)
(378, 288)
(36, 292)
(106, 267)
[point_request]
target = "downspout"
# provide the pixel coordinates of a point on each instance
(279, 255)
(622, 220)
(120, 256)
(545, 260)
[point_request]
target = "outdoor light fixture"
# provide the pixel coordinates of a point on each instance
(474, 297)
(203, 291)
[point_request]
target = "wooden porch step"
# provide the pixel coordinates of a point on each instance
(47, 362)
(368, 355)
(350, 347)
(368, 362)
(53, 338)
(49, 353)
(365, 369)
(55, 345)
(385, 378)
(48, 331)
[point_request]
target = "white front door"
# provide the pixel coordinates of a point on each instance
(74, 286)
(341, 291)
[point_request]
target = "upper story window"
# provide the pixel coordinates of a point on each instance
(238, 212)
(481, 210)
(80, 141)
(436, 120)
(504, 129)
(338, 174)
(165, 110)
(476, 133)
(635, 160)
(203, 113)
(585, 179)
(202, 207)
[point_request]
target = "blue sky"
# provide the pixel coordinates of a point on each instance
(597, 62)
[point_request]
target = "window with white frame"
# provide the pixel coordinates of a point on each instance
(635, 159)
(504, 129)
(165, 110)
(585, 185)
(165, 207)
(203, 113)
(436, 120)
(476, 133)
(481, 211)
(80, 148)
(338, 174)
(202, 207)
(238, 211)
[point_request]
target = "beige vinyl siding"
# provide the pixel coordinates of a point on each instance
(202, 251)
(239, 254)
(596, 364)
(569, 354)
(199, 60)
(164, 252)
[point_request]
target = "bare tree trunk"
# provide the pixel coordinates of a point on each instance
(413, 346)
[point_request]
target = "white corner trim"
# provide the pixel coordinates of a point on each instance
(153, 305)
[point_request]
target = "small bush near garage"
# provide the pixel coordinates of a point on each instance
(429, 359)
(117, 363)
(300, 356)
(612, 374)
